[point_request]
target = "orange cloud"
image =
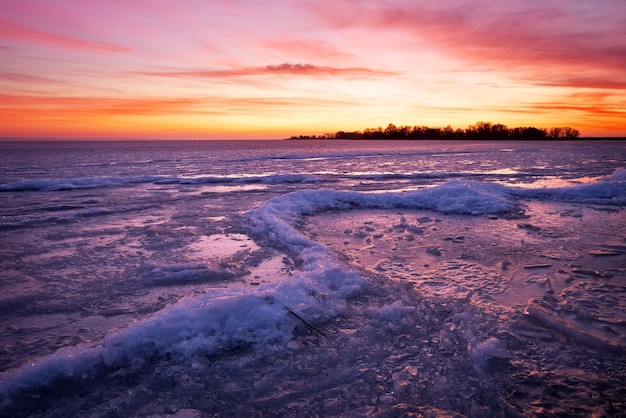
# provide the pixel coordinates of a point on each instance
(95, 105)
(151, 106)
(29, 115)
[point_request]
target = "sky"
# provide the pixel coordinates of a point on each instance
(231, 69)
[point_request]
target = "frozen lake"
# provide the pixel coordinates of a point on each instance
(313, 278)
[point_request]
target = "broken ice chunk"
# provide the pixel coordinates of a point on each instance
(492, 348)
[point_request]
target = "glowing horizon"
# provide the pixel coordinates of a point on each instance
(233, 69)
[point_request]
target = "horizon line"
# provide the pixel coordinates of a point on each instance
(146, 139)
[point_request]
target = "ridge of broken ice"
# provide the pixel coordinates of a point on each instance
(226, 318)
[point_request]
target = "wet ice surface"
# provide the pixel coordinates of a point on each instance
(497, 259)
(479, 316)
(520, 315)
(74, 283)
(178, 295)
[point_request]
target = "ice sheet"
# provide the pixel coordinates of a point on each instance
(438, 286)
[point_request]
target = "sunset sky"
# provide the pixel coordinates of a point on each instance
(275, 68)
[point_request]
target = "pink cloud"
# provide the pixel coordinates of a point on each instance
(590, 81)
(507, 36)
(280, 69)
(18, 32)
(310, 49)
(15, 77)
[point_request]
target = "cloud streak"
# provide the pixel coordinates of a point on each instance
(285, 69)
(66, 116)
(18, 32)
(514, 36)
(70, 107)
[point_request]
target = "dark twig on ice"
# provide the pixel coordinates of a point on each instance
(314, 328)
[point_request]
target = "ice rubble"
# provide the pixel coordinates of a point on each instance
(319, 289)
(54, 185)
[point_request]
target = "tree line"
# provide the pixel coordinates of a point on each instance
(480, 130)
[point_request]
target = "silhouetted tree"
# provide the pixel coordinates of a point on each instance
(570, 133)
(483, 129)
(447, 132)
(499, 131)
(480, 130)
(563, 133)
(528, 133)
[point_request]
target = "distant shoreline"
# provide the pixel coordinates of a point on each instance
(173, 140)
(478, 131)
(578, 139)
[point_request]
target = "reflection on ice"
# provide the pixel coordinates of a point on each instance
(550, 182)
(221, 246)
(503, 171)
(232, 188)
